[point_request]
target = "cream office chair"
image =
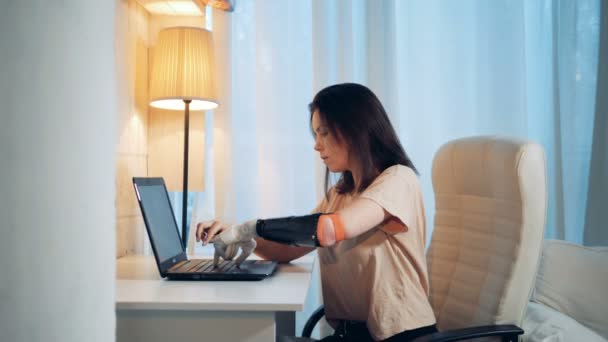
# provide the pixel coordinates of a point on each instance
(490, 207)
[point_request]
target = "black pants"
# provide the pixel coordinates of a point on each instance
(357, 332)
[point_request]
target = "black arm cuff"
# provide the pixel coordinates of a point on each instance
(294, 230)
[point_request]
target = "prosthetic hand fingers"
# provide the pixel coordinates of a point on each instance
(220, 251)
(216, 258)
(247, 248)
(224, 251)
(231, 251)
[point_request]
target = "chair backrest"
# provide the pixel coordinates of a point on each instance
(490, 210)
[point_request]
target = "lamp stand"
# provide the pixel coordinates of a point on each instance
(185, 187)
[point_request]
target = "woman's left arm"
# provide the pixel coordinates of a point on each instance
(316, 230)
(353, 220)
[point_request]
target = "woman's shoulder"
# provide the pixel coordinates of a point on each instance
(398, 170)
(396, 176)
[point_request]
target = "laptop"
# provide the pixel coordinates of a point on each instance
(170, 254)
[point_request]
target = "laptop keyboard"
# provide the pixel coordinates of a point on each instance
(203, 266)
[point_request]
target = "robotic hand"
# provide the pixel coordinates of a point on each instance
(227, 243)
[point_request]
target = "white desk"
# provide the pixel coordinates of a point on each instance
(149, 308)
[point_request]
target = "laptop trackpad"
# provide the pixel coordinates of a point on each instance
(256, 266)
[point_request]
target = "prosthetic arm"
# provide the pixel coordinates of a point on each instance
(302, 231)
(316, 230)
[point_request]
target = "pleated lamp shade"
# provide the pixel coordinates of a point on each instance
(182, 69)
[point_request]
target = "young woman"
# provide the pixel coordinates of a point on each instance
(369, 230)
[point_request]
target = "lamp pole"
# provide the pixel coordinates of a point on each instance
(185, 180)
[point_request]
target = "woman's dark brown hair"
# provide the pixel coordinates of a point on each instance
(353, 111)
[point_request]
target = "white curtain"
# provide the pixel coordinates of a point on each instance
(447, 69)
(443, 69)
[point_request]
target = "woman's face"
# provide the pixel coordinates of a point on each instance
(333, 153)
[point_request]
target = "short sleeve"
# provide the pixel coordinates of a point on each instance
(397, 191)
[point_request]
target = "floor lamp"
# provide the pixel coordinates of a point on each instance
(182, 79)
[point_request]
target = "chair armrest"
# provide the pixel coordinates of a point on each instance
(312, 321)
(508, 332)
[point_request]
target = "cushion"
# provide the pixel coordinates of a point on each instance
(573, 279)
(543, 324)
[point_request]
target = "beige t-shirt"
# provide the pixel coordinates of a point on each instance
(380, 276)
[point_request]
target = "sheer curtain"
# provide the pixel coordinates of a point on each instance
(443, 69)
(266, 164)
(447, 69)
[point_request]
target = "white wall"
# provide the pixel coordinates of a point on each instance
(57, 155)
(132, 152)
(136, 33)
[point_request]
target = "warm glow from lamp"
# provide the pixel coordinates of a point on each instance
(178, 104)
(182, 69)
(174, 7)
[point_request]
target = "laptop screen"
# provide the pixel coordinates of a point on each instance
(161, 224)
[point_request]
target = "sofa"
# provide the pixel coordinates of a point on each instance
(570, 298)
